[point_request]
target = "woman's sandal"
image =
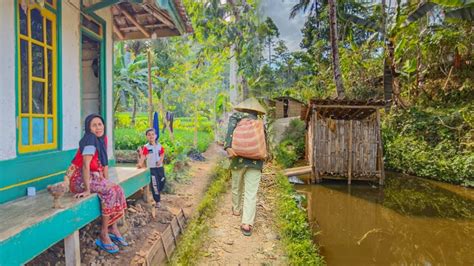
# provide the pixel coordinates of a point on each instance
(246, 232)
(106, 247)
(235, 213)
(119, 240)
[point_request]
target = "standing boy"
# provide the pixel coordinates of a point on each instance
(154, 153)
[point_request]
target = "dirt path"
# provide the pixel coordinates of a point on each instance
(189, 194)
(227, 246)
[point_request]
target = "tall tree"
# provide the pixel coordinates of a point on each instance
(335, 49)
(313, 6)
(268, 31)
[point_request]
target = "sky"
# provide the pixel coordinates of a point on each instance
(290, 30)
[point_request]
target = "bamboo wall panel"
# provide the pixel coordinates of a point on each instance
(330, 146)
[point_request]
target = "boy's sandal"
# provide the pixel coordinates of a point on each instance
(110, 248)
(246, 232)
(119, 240)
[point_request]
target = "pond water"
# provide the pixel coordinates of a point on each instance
(409, 221)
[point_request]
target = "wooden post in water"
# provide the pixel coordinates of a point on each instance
(380, 151)
(315, 164)
(349, 167)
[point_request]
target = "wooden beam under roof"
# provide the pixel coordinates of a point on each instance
(118, 32)
(134, 21)
(159, 16)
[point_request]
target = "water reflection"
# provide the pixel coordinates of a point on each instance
(409, 221)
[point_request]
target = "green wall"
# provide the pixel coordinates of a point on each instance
(26, 168)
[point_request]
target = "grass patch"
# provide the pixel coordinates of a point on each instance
(293, 227)
(189, 246)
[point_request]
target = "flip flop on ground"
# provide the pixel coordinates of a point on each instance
(119, 240)
(110, 248)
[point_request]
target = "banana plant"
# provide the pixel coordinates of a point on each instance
(130, 79)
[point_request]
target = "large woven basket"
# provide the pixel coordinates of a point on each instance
(248, 139)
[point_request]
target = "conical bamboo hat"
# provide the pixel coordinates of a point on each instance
(251, 104)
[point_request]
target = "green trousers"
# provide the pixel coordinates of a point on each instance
(245, 181)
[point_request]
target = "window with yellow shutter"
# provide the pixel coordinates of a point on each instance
(37, 72)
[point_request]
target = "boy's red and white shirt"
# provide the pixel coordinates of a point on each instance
(153, 154)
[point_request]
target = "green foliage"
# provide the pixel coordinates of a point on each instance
(293, 227)
(292, 146)
(193, 238)
(285, 153)
(433, 143)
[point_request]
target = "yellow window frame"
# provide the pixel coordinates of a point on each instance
(30, 115)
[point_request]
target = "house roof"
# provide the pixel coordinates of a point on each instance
(149, 19)
(342, 109)
(288, 98)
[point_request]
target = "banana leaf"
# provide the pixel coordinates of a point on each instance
(419, 12)
(465, 13)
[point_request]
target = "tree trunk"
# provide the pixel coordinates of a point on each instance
(394, 82)
(195, 140)
(233, 94)
(245, 88)
(269, 52)
(150, 93)
(134, 111)
(335, 49)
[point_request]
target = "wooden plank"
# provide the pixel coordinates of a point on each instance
(347, 106)
(72, 249)
(298, 171)
(349, 167)
(164, 249)
(169, 240)
(173, 233)
(155, 249)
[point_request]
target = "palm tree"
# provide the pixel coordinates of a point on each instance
(303, 6)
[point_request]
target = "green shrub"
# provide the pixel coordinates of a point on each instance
(432, 143)
(293, 227)
(292, 145)
(286, 153)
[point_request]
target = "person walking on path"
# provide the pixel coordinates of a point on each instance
(89, 173)
(154, 155)
(246, 173)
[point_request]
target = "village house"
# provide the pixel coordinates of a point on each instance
(57, 64)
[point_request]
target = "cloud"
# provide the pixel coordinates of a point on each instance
(290, 29)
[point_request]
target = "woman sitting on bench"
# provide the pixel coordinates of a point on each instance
(88, 174)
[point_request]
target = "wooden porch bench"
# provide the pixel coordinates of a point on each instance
(29, 225)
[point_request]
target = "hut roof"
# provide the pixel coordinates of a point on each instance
(342, 109)
(149, 20)
(288, 98)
